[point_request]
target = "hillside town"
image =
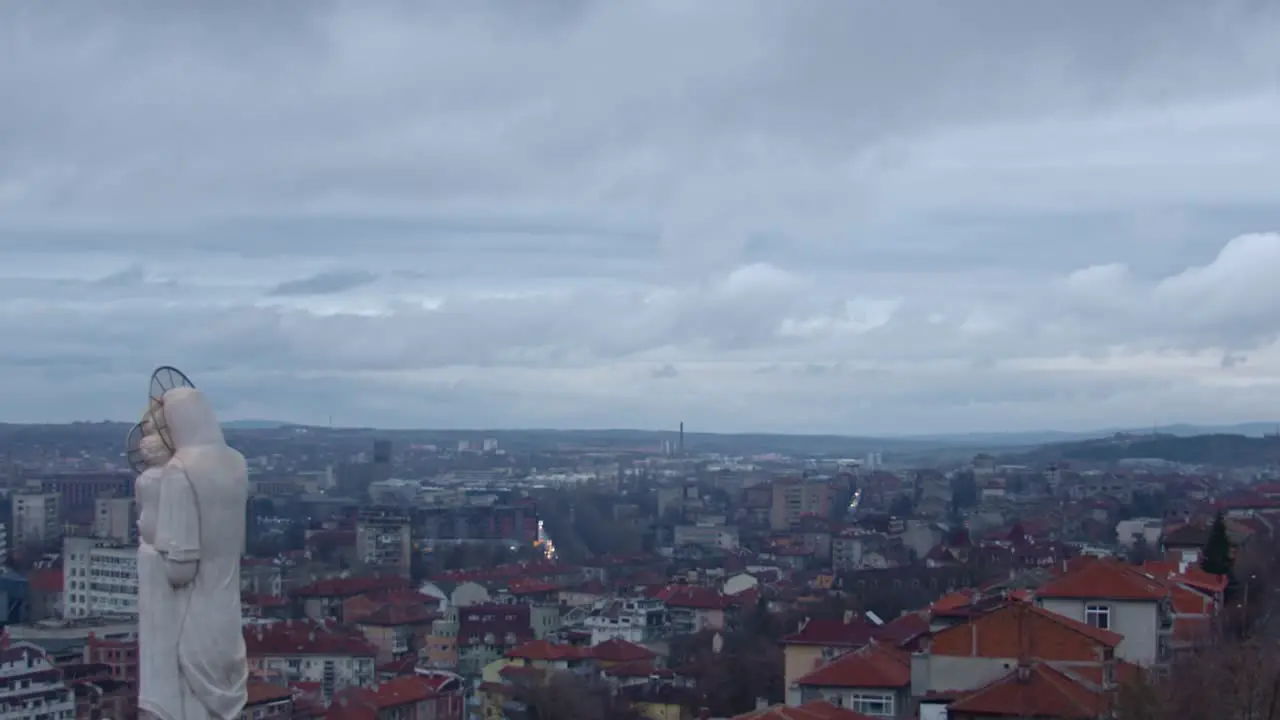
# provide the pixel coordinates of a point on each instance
(460, 582)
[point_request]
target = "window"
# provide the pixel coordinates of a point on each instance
(870, 704)
(1098, 616)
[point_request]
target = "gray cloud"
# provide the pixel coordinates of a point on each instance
(325, 283)
(949, 215)
(133, 275)
(665, 372)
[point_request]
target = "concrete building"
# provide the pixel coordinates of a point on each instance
(115, 519)
(31, 687)
(384, 539)
(794, 498)
(99, 577)
(636, 620)
(723, 537)
(37, 519)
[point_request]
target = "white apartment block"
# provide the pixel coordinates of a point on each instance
(31, 688)
(99, 577)
(37, 519)
(636, 620)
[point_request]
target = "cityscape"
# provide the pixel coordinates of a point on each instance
(405, 574)
(639, 360)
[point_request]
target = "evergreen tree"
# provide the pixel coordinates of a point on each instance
(1216, 558)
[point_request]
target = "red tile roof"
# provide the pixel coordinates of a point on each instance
(360, 703)
(1192, 575)
(903, 629)
(545, 650)
(1024, 630)
(1104, 579)
(832, 633)
(292, 639)
(620, 651)
(260, 693)
(1037, 690)
(874, 666)
(693, 597)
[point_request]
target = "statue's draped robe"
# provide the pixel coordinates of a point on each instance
(159, 691)
(200, 533)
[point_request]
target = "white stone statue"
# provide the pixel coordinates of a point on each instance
(192, 500)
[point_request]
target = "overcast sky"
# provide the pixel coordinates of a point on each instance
(853, 217)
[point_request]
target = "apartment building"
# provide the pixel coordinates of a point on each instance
(99, 577)
(115, 518)
(31, 688)
(384, 539)
(794, 498)
(36, 519)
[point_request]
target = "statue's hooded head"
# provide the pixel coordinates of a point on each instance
(189, 420)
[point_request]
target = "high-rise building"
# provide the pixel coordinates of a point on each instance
(115, 519)
(384, 539)
(99, 577)
(794, 498)
(37, 520)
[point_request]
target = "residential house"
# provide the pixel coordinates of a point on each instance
(693, 608)
(322, 600)
(303, 652)
(1030, 690)
(1111, 594)
(410, 697)
(819, 641)
(486, 632)
(636, 620)
(990, 646)
(874, 680)
(396, 629)
(267, 702)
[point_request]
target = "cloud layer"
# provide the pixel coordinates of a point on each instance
(860, 218)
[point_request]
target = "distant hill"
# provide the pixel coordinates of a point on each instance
(1221, 449)
(255, 424)
(1044, 437)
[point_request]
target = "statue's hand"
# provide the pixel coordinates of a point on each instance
(180, 574)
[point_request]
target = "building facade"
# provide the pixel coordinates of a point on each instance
(100, 577)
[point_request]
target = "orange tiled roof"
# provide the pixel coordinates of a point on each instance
(874, 666)
(547, 650)
(952, 601)
(260, 692)
(832, 633)
(1021, 629)
(1192, 575)
(618, 650)
(1035, 691)
(1105, 579)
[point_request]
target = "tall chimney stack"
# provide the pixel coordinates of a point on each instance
(680, 444)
